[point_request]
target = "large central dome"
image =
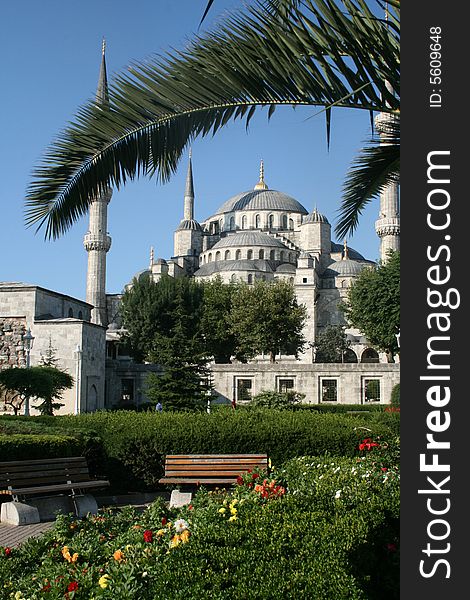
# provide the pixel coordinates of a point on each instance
(262, 200)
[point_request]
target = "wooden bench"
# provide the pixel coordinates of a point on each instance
(23, 478)
(210, 468)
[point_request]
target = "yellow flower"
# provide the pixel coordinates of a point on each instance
(18, 595)
(184, 537)
(221, 510)
(118, 555)
(175, 540)
(233, 511)
(233, 518)
(160, 532)
(103, 581)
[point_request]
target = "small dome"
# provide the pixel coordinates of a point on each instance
(160, 261)
(261, 199)
(345, 268)
(354, 254)
(314, 217)
(248, 238)
(189, 224)
(286, 268)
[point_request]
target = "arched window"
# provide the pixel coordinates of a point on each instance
(291, 223)
(244, 222)
(233, 277)
(250, 278)
(209, 258)
(70, 312)
(227, 254)
(92, 399)
(282, 256)
(238, 255)
(80, 315)
(258, 222)
(272, 255)
(221, 225)
(261, 254)
(271, 221)
(249, 254)
(232, 223)
(284, 221)
(369, 356)
(217, 255)
(349, 356)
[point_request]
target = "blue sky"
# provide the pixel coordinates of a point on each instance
(51, 51)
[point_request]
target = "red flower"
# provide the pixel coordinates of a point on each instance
(7, 551)
(240, 480)
(72, 587)
(190, 507)
(164, 521)
(384, 469)
(255, 475)
(148, 536)
(46, 588)
(367, 444)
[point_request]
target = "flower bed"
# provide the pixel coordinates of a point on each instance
(317, 528)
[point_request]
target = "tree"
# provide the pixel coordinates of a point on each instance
(323, 53)
(46, 383)
(49, 359)
(331, 345)
(185, 382)
(266, 318)
(373, 304)
(148, 310)
(219, 340)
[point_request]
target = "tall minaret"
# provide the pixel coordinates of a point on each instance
(188, 213)
(96, 241)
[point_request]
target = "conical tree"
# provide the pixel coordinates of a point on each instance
(322, 53)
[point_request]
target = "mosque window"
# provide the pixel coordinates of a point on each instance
(217, 255)
(249, 254)
(244, 388)
(284, 221)
(250, 278)
(214, 228)
(282, 256)
(261, 254)
(371, 390)
(209, 258)
(127, 390)
(369, 356)
(272, 255)
(329, 390)
(70, 312)
(238, 255)
(258, 221)
(80, 315)
(271, 221)
(304, 280)
(232, 223)
(291, 223)
(233, 278)
(285, 384)
(244, 222)
(349, 356)
(221, 225)
(227, 254)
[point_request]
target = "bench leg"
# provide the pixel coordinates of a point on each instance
(17, 513)
(84, 505)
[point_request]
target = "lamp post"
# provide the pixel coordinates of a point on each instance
(28, 340)
(78, 355)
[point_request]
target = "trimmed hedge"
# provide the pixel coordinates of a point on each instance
(29, 447)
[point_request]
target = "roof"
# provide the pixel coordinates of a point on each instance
(354, 254)
(248, 238)
(189, 224)
(346, 268)
(262, 200)
(314, 217)
(234, 265)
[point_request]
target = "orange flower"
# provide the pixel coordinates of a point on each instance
(118, 555)
(175, 540)
(184, 537)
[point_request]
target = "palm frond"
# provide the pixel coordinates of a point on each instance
(376, 166)
(322, 53)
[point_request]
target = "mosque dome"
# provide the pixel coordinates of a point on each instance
(248, 238)
(190, 224)
(314, 217)
(344, 268)
(353, 254)
(262, 200)
(286, 268)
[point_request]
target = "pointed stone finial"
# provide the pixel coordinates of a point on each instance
(345, 254)
(103, 46)
(152, 256)
(188, 212)
(102, 96)
(261, 185)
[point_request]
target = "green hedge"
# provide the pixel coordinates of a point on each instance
(135, 443)
(25, 447)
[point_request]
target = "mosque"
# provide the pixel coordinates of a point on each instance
(257, 235)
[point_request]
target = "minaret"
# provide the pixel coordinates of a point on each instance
(188, 213)
(96, 241)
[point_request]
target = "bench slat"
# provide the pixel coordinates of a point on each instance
(48, 461)
(55, 488)
(197, 480)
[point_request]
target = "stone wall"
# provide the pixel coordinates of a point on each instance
(12, 352)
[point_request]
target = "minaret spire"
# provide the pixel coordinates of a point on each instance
(261, 185)
(96, 241)
(189, 192)
(345, 255)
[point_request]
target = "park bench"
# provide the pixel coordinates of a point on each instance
(22, 479)
(207, 469)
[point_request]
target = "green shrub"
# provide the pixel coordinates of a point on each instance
(273, 399)
(395, 397)
(24, 447)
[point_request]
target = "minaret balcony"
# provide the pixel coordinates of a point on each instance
(93, 241)
(387, 226)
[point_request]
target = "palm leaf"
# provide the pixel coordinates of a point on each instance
(318, 54)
